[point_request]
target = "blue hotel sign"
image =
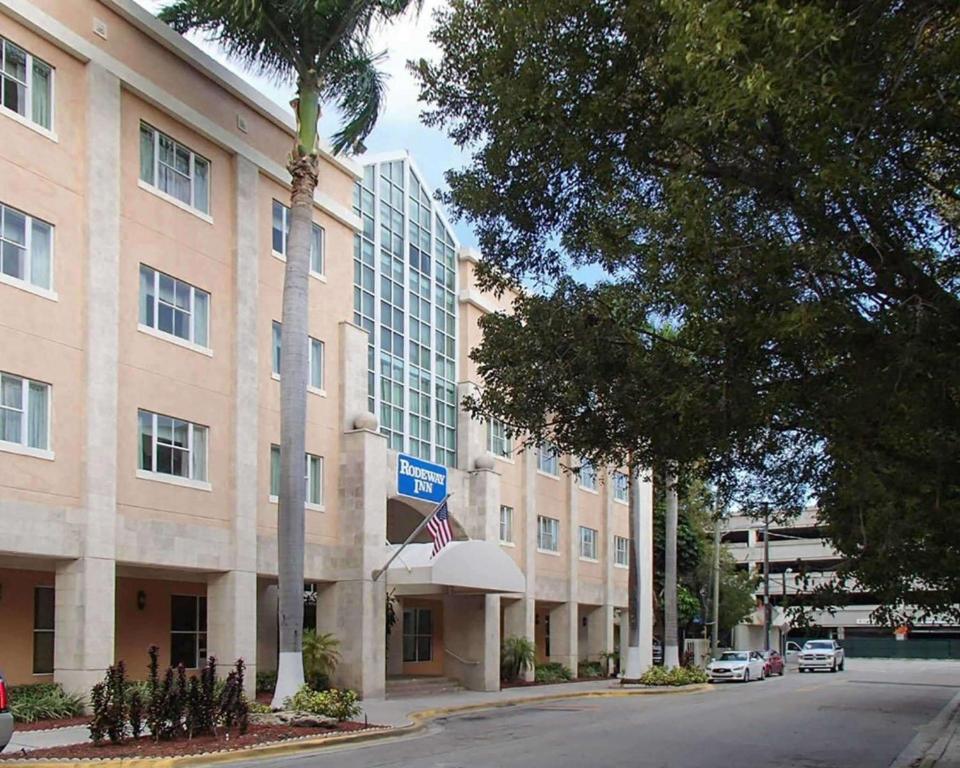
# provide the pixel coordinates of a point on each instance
(421, 479)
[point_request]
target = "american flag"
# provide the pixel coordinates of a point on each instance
(439, 527)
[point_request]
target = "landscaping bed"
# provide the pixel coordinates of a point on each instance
(537, 683)
(145, 746)
(46, 725)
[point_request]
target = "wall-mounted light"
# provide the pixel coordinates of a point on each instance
(141, 599)
(584, 621)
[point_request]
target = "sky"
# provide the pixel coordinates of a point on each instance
(399, 126)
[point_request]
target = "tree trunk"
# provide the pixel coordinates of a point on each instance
(632, 663)
(294, 364)
(671, 651)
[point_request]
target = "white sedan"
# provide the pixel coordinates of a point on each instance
(737, 665)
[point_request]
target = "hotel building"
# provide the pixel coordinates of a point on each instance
(142, 239)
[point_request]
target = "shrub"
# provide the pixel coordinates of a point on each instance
(675, 676)
(591, 669)
(335, 704)
(516, 655)
(551, 672)
(110, 707)
(44, 701)
(320, 658)
(266, 681)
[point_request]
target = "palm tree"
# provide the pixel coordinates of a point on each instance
(671, 652)
(324, 46)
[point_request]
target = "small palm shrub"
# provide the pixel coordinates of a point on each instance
(673, 677)
(335, 704)
(516, 655)
(44, 701)
(321, 655)
(591, 669)
(551, 672)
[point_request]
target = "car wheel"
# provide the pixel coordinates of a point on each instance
(763, 675)
(783, 670)
(833, 669)
(746, 675)
(841, 664)
(801, 669)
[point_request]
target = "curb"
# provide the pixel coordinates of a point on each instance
(418, 721)
(929, 745)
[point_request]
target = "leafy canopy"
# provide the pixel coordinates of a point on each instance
(775, 180)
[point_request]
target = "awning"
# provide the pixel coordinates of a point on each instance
(478, 566)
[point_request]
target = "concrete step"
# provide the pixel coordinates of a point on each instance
(413, 687)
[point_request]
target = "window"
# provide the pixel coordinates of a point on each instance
(588, 476)
(621, 486)
(547, 459)
(24, 412)
(174, 169)
(500, 439)
(281, 231)
(171, 446)
(172, 306)
(313, 473)
(315, 375)
(548, 534)
(188, 630)
(26, 248)
(417, 634)
(506, 524)
(27, 85)
(588, 543)
(43, 626)
(621, 551)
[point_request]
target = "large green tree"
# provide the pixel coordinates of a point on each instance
(323, 46)
(778, 180)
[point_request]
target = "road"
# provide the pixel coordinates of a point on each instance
(861, 718)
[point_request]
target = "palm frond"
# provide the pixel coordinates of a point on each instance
(356, 85)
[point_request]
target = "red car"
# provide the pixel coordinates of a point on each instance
(773, 663)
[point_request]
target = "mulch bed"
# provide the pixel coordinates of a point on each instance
(534, 683)
(146, 747)
(46, 725)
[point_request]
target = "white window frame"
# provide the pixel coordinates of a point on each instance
(27, 120)
(153, 185)
(155, 330)
(311, 462)
(285, 233)
(548, 527)
(506, 525)
(548, 460)
(201, 658)
(23, 447)
(313, 344)
(587, 470)
(588, 541)
(625, 497)
(499, 440)
(621, 545)
(152, 473)
(27, 284)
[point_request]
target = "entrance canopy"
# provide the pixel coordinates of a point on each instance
(477, 566)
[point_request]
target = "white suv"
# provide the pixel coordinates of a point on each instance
(820, 654)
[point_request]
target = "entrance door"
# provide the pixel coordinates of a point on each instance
(422, 653)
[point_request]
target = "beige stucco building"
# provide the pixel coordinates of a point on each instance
(142, 233)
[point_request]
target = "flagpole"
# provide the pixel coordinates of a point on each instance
(380, 571)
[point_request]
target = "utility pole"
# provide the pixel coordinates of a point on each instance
(715, 628)
(766, 579)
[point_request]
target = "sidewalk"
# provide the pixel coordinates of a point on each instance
(391, 712)
(937, 744)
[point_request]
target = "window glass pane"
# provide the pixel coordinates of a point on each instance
(43, 653)
(147, 148)
(146, 440)
(316, 363)
(315, 480)
(183, 613)
(316, 250)
(183, 650)
(37, 415)
(199, 455)
(43, 603)
(201, 185)
(202, 618)
(276, 346)
(14, 96)
(14, 226)
(40, 252)
(423, 648)
(278, 227)
(13, 260)
(409, 648)
(200, 319)
(15, 61)
(274, 470)
(42, 92)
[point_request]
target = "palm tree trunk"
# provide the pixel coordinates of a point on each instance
(671, 651)
(294, 352)
(631, 663)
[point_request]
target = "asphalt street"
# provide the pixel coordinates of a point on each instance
(863, 717)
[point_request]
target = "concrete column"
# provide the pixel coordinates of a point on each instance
(609, 591)
(86, 589)
(599, 632)
(471, 433)
(354, 383)
(395, 642)
(645, 541)
(573, 563)
(481, 518)
(232, 621)
(267, 649)
(232, 597)
(471, 632)
(354, 609)
(525, 615)
(564, 635)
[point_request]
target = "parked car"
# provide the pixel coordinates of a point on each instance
(821, 654)
(773, 663)
(6, 717)
(737, 665)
